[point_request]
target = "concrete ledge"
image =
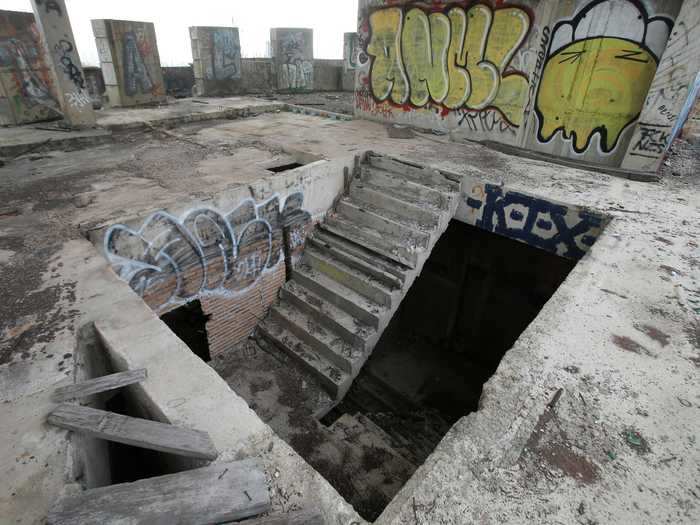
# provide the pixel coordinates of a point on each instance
(15, 142)
(184, 111)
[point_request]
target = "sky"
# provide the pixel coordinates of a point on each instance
(328, 18)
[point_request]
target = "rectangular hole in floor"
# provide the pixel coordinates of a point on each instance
(284, 167)
(104, 462)
(477, 293)
(189, 323)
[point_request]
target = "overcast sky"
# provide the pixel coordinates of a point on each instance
(328, 18)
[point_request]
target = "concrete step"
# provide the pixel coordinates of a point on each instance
(383, 245)
(349, 328)
(364, 441)
(334, 380)
(368, 268)
(362, 283)
(341, 296)
(380, 263)
(327, 344)
(396, 210)
(363, 216)
(428, 177)
(403, 189)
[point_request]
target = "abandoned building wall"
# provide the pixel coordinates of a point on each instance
(459, 66)
(327, 74)
(95, 84)
(216, 54)
(293, 55)
(564, 78)
(257, 75)
(27, 92)
(179, 81)
(130, 62)
(601, 60)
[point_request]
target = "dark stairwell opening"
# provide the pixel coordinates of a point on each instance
(476, 294)
(189, 323)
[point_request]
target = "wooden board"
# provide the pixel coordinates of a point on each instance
(218, 493)
(99, 385)
(134, 431)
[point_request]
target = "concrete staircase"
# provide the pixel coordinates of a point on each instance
(357, 267)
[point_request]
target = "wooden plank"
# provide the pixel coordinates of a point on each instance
(133, 431)
(293, 518)
(218, 493)
(99, 385)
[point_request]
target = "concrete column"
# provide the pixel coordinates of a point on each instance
(62, 54)
(668, 93)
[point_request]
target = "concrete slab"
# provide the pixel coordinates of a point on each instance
(21, 140)
(620, 339)
(184, 110)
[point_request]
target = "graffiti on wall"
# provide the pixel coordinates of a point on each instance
(226, 54)
(458, 58)
(565, 230)
(137, 79)
(31, 85)
(598, 71)
(296, 67)
(172, 260)
(353, 52)
(24, 73)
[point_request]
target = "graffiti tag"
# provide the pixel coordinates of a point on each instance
(171, 260)
(226, 54)
(296, 70)
(136, 76)
(549, 226)
(459, 58)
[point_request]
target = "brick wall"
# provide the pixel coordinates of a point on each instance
(233, 319)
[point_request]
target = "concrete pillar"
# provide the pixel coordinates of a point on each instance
(216, 54)
(668, 93)
(130, 62)
(293, 55)
(62, 54)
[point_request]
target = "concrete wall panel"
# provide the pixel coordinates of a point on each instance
(567, 78)
(216, 52)
(27, 92)
(293, 54)
(601, 60)
(462, 67)
(130, 51)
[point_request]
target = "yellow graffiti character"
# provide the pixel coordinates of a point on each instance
(596, 85)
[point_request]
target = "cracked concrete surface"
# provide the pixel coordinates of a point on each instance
(592, 417)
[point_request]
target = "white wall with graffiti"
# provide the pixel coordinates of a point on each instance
(567, 78)
(171, 260)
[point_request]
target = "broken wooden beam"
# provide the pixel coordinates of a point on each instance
(99, 385)
(215, 494)
(142, 433)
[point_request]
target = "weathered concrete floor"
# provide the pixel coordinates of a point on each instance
(620, 340)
